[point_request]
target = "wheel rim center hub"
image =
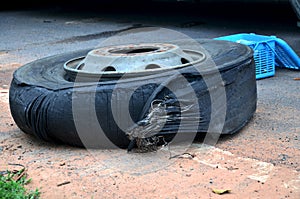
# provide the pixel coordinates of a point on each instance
(133, 58)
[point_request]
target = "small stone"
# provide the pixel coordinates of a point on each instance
(283, 157)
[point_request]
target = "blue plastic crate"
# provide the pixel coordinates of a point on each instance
(264, 51)
(286, 56)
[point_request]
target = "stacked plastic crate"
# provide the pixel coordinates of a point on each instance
(269, 51)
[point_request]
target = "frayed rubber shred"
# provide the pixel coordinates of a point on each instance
(163, 114)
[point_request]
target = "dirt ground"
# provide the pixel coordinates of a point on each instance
(260, 161)
(255, 163)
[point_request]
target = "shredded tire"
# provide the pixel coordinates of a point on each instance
(41, 98)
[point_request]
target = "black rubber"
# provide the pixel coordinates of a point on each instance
(296, 6)
(41, 96)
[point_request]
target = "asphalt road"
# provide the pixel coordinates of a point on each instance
(37, 32)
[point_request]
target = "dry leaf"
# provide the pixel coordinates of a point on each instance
(221, 191)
